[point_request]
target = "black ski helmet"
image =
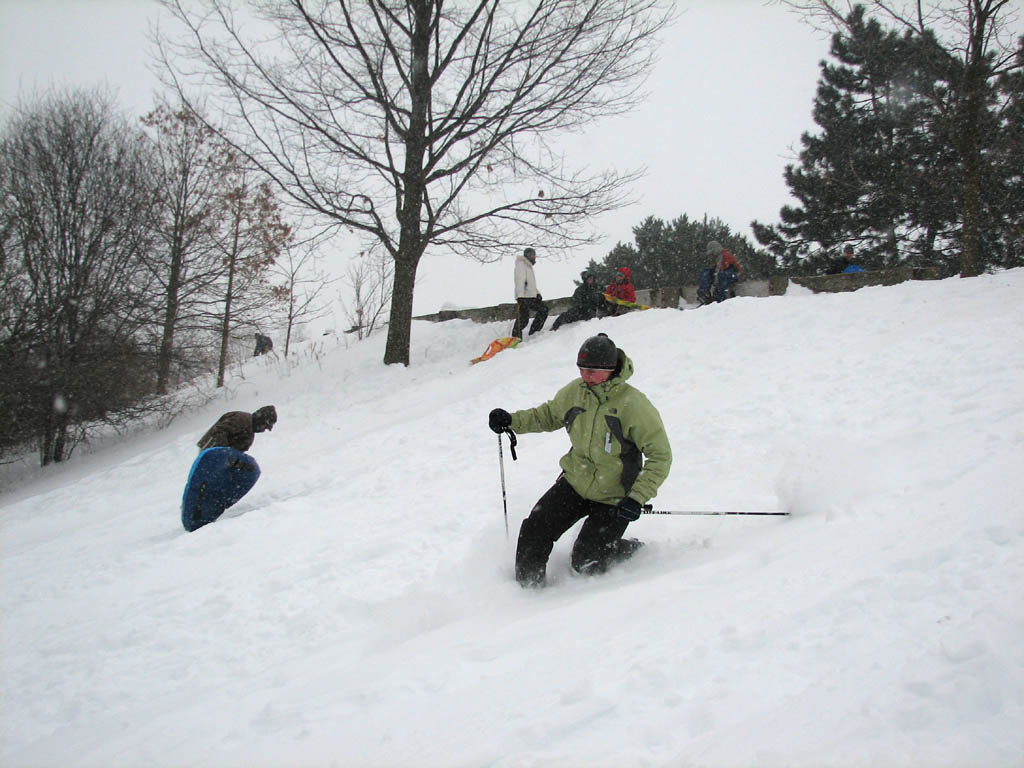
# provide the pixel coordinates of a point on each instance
(598, 353)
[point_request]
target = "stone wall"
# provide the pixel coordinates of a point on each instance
(493, 314)
(670, 296)
(851, 281)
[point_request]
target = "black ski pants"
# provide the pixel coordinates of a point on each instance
(558, 510)
(572, 315)
(523, 308)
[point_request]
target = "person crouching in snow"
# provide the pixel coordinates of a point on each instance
(223, 472)
(237, 429)
(620, 455)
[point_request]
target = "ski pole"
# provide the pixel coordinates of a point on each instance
(649, 510)
(501, 465)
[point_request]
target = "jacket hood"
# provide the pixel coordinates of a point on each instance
(624, 369)
(626, 272)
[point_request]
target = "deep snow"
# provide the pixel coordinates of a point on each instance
(358, 607)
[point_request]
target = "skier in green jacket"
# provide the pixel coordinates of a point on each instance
(620, 455)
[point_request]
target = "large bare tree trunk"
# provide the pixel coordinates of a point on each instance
(400, 323)
(410, 245)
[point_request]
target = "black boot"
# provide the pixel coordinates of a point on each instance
(626, 548)
(532, 553)
(616, 552)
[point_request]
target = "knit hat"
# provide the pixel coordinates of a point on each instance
(264, 418)
(714, 248)
(598, 353)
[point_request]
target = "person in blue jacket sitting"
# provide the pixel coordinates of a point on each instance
(844, 264)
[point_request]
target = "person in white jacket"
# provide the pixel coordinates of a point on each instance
(528, 298)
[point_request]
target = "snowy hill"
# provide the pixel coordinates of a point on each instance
(358, 607)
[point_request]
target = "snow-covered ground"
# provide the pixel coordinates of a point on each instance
(358, 608)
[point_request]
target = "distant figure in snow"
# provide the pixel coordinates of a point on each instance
(263, 345)
(528, 298)
(587, 302)
(622, 289)
(620, 455)
(716, 281)
(843, 264)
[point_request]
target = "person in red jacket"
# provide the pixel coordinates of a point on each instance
(716, 281)
(622, 289)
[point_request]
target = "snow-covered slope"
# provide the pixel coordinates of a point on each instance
(358, 607)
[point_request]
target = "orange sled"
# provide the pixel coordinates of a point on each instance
(496, 346)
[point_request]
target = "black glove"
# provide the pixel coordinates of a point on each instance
(629, 509)
(499, 420)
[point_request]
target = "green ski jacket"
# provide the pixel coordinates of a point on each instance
(619, 444)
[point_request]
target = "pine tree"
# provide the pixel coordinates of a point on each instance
(912, 162)
(673, 254)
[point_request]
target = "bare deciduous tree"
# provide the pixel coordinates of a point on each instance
(300, 286)
(192, 164)
(421, 123)
(369, 278)
(254, 235)
(79, 203)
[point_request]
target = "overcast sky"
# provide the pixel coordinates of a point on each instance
(730, 96)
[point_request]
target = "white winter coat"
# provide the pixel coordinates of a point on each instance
(526, 283)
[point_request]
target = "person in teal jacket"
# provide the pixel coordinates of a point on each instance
(620, 455)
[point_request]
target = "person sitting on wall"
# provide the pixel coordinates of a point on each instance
(717, 280)
(587, 302)
(844, 264)
(621, 289)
